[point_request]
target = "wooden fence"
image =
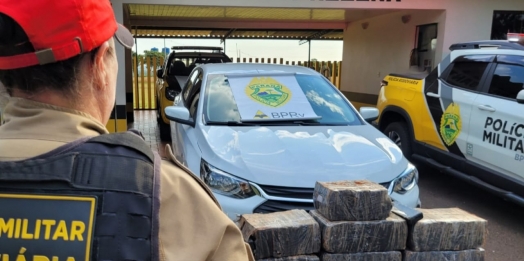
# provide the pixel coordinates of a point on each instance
(145, 80)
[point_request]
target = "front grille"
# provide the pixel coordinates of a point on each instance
(271, 206)
(287, 192)
(298, 193)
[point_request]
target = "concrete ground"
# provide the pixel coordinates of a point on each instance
(145, 122)
(505, 239)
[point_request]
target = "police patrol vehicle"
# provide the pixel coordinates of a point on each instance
(465, 117)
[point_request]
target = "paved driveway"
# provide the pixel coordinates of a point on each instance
(505, 239)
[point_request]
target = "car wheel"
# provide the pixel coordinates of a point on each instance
(158, 115)
(398, 133)
(165, 131)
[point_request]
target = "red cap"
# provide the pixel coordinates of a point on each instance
(61, 29)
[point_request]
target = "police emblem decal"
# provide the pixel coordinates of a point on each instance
(450, 124)
(268, 91)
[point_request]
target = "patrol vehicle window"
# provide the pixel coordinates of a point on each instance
(466, 73)
(511, 59)
(508, 80)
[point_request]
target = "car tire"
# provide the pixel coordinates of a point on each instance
(158, 114)
(398, 133)
(165, 131)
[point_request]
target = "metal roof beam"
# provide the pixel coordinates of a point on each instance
(244, 38)
(317, 35)
(223, 39)
(243, 24)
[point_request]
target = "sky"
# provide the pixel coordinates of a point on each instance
(290, 50)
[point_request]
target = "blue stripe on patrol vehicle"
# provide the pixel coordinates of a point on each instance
(45, 227)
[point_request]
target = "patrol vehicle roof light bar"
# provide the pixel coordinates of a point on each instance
(498, 44)
(515, 37)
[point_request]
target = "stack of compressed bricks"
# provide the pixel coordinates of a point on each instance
(356, 222)
(353, 221)
(447, 234)
(282, 236)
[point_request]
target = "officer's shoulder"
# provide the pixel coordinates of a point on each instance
(171, 166)
(131, 140)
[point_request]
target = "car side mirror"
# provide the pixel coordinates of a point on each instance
(179, 114)
(520, 97)
(369, 113)
(160, 73)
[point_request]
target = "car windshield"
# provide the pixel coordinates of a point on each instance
(220, 106)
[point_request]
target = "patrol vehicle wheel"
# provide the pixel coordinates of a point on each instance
(398, 133)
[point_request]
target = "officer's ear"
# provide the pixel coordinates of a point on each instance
(99, 65)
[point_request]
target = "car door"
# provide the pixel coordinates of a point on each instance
(497, 125)
(183, 141)
(450, 102)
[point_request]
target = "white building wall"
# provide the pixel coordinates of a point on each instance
(385, 47)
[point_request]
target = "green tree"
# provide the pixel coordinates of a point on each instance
(148, 56)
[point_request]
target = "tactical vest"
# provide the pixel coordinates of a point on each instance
(92, 199)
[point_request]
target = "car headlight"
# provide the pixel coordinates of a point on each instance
(223, 183)
(171, 93)
(407, 180)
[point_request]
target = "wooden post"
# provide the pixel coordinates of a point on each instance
(141, 86)
(152, 97)
(333, 73)
(135, 83)
(339, 74)
(148, 81)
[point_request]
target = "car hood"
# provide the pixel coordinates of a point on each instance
(300, 156)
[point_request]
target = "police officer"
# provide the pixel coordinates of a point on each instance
(69, 190)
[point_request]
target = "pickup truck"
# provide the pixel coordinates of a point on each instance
(465, 117)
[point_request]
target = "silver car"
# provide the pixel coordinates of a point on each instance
(230, 127)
